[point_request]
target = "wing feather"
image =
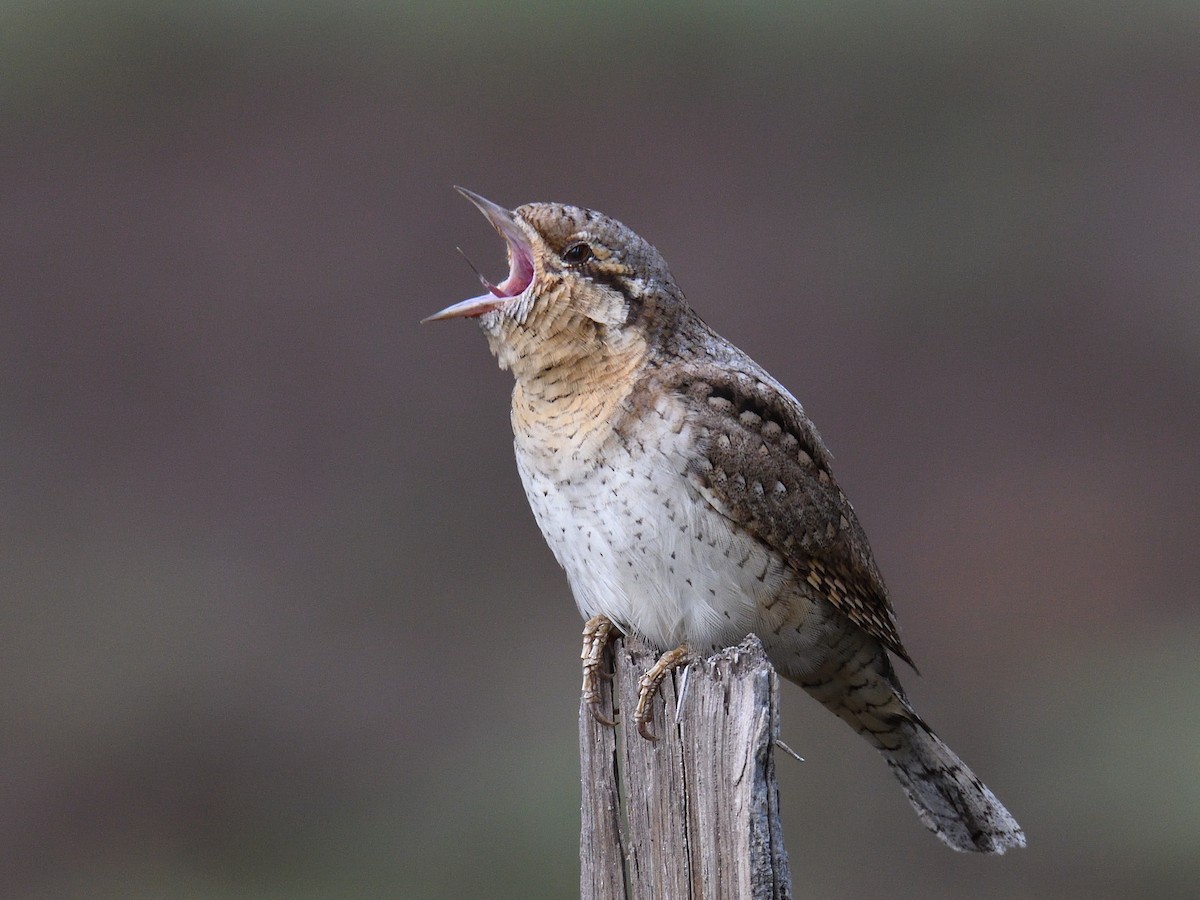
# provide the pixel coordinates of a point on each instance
(763, 466)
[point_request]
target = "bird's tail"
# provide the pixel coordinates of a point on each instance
(948, 797)
(952, 802)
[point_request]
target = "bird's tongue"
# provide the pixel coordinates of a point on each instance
(520, 265)
(520, 274)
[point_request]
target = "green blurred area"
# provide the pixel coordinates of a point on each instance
(277, 621)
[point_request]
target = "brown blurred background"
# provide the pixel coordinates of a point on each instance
(276, 620)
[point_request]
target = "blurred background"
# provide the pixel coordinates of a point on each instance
(276, 619)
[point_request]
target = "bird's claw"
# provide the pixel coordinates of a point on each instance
(648, 686)
(597, 632)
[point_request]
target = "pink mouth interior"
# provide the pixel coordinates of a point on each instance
(520, 272)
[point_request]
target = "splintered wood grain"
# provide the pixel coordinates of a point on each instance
(601, 847)
(695, 814)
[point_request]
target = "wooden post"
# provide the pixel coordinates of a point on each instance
(695, 814)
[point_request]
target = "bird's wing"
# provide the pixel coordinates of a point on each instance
(763, 466)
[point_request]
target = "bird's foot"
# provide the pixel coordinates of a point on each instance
(597, 632)
(648, 687)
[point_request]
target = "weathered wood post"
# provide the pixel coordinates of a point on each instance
(694, 815)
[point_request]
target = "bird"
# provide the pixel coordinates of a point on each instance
(690, 500)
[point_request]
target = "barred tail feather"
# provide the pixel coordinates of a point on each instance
(858, 684)
(952, 802)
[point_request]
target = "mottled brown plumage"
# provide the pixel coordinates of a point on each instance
(760, 462)
(689, 498)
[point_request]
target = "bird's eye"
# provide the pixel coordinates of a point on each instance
(577, 254)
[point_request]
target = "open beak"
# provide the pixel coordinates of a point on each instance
(520, 265)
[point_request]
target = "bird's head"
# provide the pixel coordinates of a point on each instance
(579, 284)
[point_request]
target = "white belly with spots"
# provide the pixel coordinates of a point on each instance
(641, 546)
